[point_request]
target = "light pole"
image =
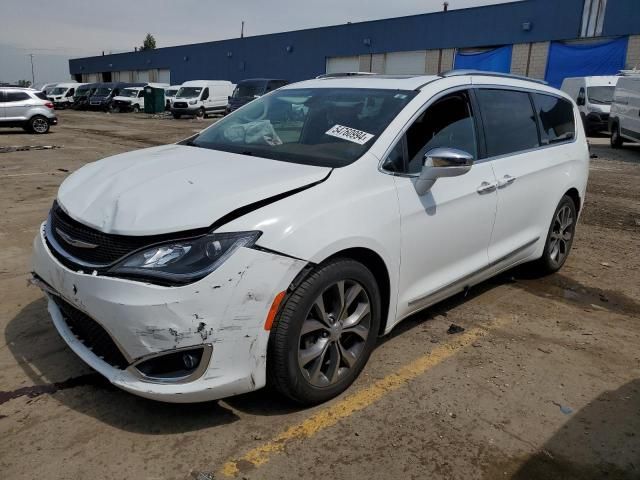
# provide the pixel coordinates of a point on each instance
(33, 75)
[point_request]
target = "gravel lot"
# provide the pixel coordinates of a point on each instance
(544, 383)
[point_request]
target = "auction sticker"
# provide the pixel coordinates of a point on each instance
(350, 134)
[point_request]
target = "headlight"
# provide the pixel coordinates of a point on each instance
(184, 261)
(193, 102)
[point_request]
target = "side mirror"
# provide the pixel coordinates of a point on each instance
(442, 162)
(580, 101)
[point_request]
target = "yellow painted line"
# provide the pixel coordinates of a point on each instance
(355, 402)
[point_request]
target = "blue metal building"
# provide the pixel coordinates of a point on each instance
(518, 37)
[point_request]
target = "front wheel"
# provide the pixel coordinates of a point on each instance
(136, 108)
(176, 116)
(39, 124)
(201, 113)
(559, 238)
(616, 140)
(325, 332)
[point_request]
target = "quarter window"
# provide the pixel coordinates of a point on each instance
(509, 121)
(447, 123)
(557, 122)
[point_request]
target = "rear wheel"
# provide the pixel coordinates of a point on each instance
(39, 124)
(616, 140)
(559, 238)
(325, 332)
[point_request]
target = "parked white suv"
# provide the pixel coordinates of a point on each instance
(26, 108)
(280, 242)
(624, 122)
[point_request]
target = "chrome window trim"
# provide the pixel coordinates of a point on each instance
(471, 86)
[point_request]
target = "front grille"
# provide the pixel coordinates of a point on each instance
(92, 335)
(110, 247)
(180, 105)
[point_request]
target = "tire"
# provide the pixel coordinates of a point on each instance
(136, 108)
(561, 233)
(39, 124)
(314, 366)
(615, 139)
(201, 113)
(176, 116)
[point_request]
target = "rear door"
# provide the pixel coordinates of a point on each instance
(17, 105)
(630, 124)
(529, 160)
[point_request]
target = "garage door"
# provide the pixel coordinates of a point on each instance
(142, 76)
(401, 63)
(164, 75)
(342, 64)
(585, 59)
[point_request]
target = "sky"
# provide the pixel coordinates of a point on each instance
(57, 31)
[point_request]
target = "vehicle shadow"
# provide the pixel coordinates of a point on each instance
(54, 369)
(602, 440)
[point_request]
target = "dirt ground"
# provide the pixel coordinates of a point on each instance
(544, 383)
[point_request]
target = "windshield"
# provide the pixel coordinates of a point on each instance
(602, 95)
(128, 92)
(103, 92)
(170, 93)
(58, 91)
(329, 127)
(249, 89)
(189, 92)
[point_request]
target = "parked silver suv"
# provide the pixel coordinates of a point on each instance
(26, 108)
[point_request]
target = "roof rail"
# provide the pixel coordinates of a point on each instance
(456, 73)
(344, 74)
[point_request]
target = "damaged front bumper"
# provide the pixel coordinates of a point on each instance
(224, 313)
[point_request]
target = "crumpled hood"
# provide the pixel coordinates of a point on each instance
(174, 188)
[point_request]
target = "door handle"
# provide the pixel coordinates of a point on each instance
(506, 181)
(486, 187)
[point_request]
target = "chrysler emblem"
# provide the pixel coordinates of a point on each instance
(74, 242)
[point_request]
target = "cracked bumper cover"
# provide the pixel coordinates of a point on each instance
(144, 319)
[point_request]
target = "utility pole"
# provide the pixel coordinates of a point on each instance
(242, 30)
(33, 75)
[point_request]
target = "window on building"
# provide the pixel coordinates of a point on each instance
(509, 121)
(593, 18)
(557, 122)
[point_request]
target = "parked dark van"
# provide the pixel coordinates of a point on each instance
(82, 95)
(103, 95)
(251, 88)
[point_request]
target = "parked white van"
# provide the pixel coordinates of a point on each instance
(202, 97)
(269, 250)
(624, 121)
(131, 99)
(593, 96)
(170, 94)
(62, 94)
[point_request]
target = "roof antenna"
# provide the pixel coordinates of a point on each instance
(242, 30)
(446, 6)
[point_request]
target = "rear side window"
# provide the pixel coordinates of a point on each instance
(556, 118)
(509, 121)
(16, 96)
(41, 95)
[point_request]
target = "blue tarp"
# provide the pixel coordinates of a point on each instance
(606, 58)
(496, 60)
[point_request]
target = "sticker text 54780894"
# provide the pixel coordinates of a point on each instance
(349, 134)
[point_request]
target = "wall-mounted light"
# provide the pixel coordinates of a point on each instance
(110, 65)
(148, 61)
(367, 42)
(289, 48)
(185, 58)
(526, 26)
(229, 54)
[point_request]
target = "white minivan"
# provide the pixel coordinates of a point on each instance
(202, 97)
(62, 94)
(624, 121)
(281, 242)
(593, 95)
(131, 99)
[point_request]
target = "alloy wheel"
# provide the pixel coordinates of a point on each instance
(334, 333)
(40, 125)
(561, 234)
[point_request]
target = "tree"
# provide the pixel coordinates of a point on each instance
(24, 83)
(149, 43)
